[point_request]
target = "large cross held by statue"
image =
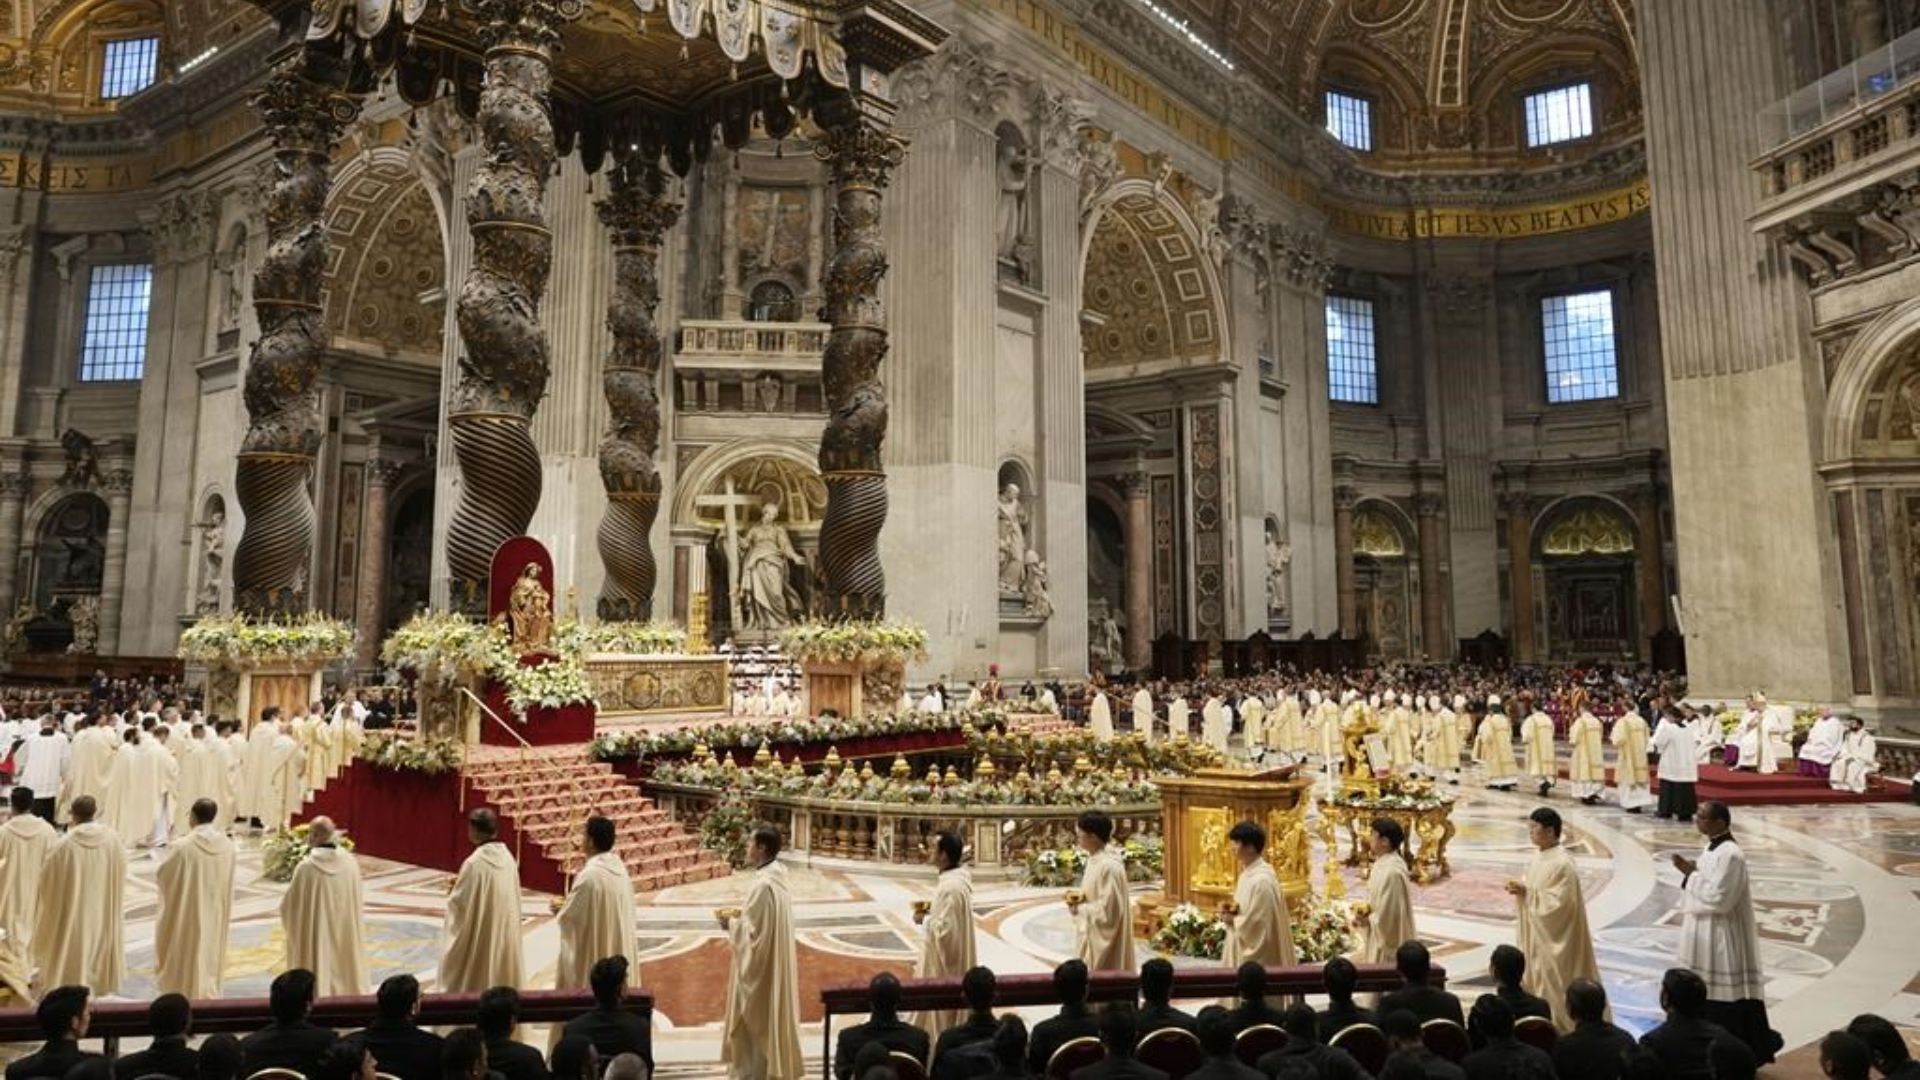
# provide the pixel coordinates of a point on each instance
(728, 503)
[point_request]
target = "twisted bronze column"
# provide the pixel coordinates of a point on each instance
(853, 585)
(638, 214)
(303, 118)
(503, 369)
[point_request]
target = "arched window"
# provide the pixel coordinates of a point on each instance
(772, 301)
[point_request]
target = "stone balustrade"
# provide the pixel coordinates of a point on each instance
(732, 366)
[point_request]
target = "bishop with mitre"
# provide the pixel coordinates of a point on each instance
(483, 914)
(1102, 907)
(947, 949)
(1553, 919)
(598, 918)
(1257, 926)
(25, 841)
(322, 912)
(760, 1037)
(77, 939)
(196, 905)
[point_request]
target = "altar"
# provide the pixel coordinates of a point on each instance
(1198, 811)
(630, 686)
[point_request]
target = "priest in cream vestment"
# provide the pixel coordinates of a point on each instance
(143, 776)
(25, 841)
(203, 775)
(760, 1037)
(1389, 916)
(946, 923)
(1493, 748)
(257, 767)
(1258, 928)
(1100, 717)
(90, 765)
(598, 918)
(1253, 723)
(1143, 714)
(1536, 740)
(1631, 777)
(1179, 719)
(483, 915)
(1587, 766)
(77, 938)
(322, 913)
(1553, 919)
(1103, 906)
(196, 905)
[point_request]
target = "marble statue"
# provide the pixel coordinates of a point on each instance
(1099, 168)
(1013, 540)
(16, 632)
(530, 612)
(84, 614)
(1107, 643)
(83, 461)
(1014, 167)
(213, 557)
(1279, 557)
(767, 598)
(1033, 587)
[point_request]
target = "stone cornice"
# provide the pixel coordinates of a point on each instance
(224, 78)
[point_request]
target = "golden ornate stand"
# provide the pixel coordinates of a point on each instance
(1427, 819)
(1198, 811)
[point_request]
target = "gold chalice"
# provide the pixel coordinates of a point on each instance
(1075, 898)
(726, 915)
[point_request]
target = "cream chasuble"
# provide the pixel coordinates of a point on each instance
(1101, 718)
(286, 786)
(25, 842)
(1434, 743)
(1493, 748)
(77, 938)
(760, 1037)
(1390, 900)
(1588, 762)
(1287, 730)
(1630, 774)
(142, 775)
(1553, 931)
(1399, 732)
(1143, 715)
(1179, 719)
(319, 741)
(203, 775)
(483, 923)
(1260, 931)
(1104, 925)
(1213, 723)
(256, 774)
(1536, 738)
(947, 942)
(597, 922)
(196, 905)
(1253, 722)
(322, 914)
(90, 767)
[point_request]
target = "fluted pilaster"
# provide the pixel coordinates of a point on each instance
(118, 483)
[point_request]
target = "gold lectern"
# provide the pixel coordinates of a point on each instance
(1197, 812)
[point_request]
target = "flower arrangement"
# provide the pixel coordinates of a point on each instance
(932, 788)
(238, 641)
(1064, 748)
(282, 851)
(447, 649)
(438, 647)
(1394, 800)
(883, 642)
(1144, 856)
(624, 637)
(724, 829)
(393, 750)
(1322, 931)
(1188, 931)
(789, 733)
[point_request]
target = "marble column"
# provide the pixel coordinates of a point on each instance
(13, 490)
(1651, 559)
(1343, 499)
(17, 250)
(1519, 511)
(370, 606)
(118, 482)
(1139, 594)
(1433, 603)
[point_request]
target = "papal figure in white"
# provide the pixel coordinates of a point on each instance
(767, 601)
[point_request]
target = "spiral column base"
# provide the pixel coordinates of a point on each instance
(270, 562)
(627, 553)
(855, 585)
(499, 492)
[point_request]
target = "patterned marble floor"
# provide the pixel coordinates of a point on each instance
(1838, 892)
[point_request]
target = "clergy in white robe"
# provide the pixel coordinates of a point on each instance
(1253, 721)
(25, 841)
(1100, 717)
(322, 914)
(319, 743)
(1102, 907)
(1257, 925)
(90, 765)
(1587, 765)
(1179, 723)
(1631, 779)
(1287, 725)
(1859, 758)
(1536, 740)
(257, 766)
(78, 936)
(1468, 724)
(204, 774)
(1719, 936)
(947, 945)
(932, 702)
(1493, 748)
(1817, 754)
(1324, 730)
(483, 914)
(1143, 714)
(1752, 748)
(137, 789)
(287, 788)
(597, 921)
(1678, 749)
(1388, 917)
(760, 1035)
(1397, 726)
(1552, 929)
(196, 908)
(1440, 742)
(1215, 721)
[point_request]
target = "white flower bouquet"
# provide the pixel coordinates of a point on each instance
(239, 642)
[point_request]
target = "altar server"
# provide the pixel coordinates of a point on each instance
(1215, 720)
(760, 1037)
(1858, 758)
(1102, 908)
(947, 946)
(1179, 724)
(196, 905)
(1587, 767)
(322, 913)
(1631, 778)
(597, 920)
(1143, 714)
(143, 775)
(1257, 928)
(483, 914)
(25, 841)
(1493, 748)
(1553, 919)
(1719, 937)
(1100, 717)
(1388, 918)
(77, 934)
(1678, 749)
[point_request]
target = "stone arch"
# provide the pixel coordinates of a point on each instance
(709, 470)
(1386, 579)
(1868, 412)
(1149, 287)
(69, 550)
(1585, 560)
(386, 276)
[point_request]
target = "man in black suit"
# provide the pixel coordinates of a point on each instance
(168, 1019)
(1341, 1013)
(611, 1027)
(1684, 1043)
(1415, 995)
(1305, 1055)
(1008, 1050)
(978, 986)
(1503, 1057)
(1594, 1049)
(884, 1027)
(1890, 1053)
(1156, 989)
(1250, 1004)
(1402, 1030)
(1216, 1038)
(1118, 1034)
(499, 1012)
(1508, 966)
(395, 1040)
(290, 1042)
(1073, 1021)
(63, 1015)
(465, 1055)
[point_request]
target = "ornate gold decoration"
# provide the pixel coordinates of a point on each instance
(638, 214)
(1590, 530)
(1429, 828)
(1287, 847)
(1374, 534)
(650, 685)
(304, 118)
(1356, 768)
(1145, 283)
(1214, 866)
